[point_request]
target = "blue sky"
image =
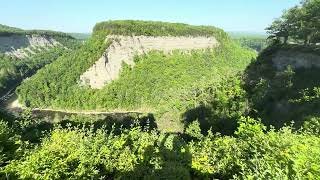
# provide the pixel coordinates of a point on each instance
(81, 15)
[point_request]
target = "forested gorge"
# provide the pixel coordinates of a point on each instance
(222, 113)
(158, 83)
(13, 69)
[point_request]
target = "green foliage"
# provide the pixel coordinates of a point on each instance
(249, 128)
(156, 28)
(256, 41)
(4, 138)
(13, 70)
(221, 105)
(312, 125)
(63, 79)
(298, 24)
(157, 82)
(280, 155)
(194, 130)
(8, 144)
(4, 28)
(78, 153)
(204, 88)
(281, 96)
(257, 44)
(8, 31)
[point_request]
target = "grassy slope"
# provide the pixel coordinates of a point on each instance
(164, 84)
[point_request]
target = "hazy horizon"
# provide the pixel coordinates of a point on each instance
(81, 16)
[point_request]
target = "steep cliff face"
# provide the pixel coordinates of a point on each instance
(22, 46)
(296, 60)
(124, 48)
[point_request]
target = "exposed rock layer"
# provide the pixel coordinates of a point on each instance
(124, 48)
(296, 60)
(21, 46)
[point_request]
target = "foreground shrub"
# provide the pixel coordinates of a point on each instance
(8, 143)
(254, 153)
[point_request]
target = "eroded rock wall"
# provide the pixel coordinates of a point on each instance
(296, 60)
(21, 46)
(124, 48)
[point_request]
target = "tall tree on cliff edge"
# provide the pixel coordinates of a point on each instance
(300, 23)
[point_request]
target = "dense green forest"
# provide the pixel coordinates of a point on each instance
(13, 70)
(223, 113)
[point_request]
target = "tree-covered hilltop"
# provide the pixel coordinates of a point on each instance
(299, 24)
(156, 28)
(63, 38)
(168, 84)
(4, 28)
(7, 30)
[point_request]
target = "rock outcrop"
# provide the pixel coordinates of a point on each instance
(124, 48)
(21, 46)
(296, 60)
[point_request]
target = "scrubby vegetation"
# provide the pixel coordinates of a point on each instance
(76, 152)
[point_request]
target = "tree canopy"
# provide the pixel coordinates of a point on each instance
(298, 24)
